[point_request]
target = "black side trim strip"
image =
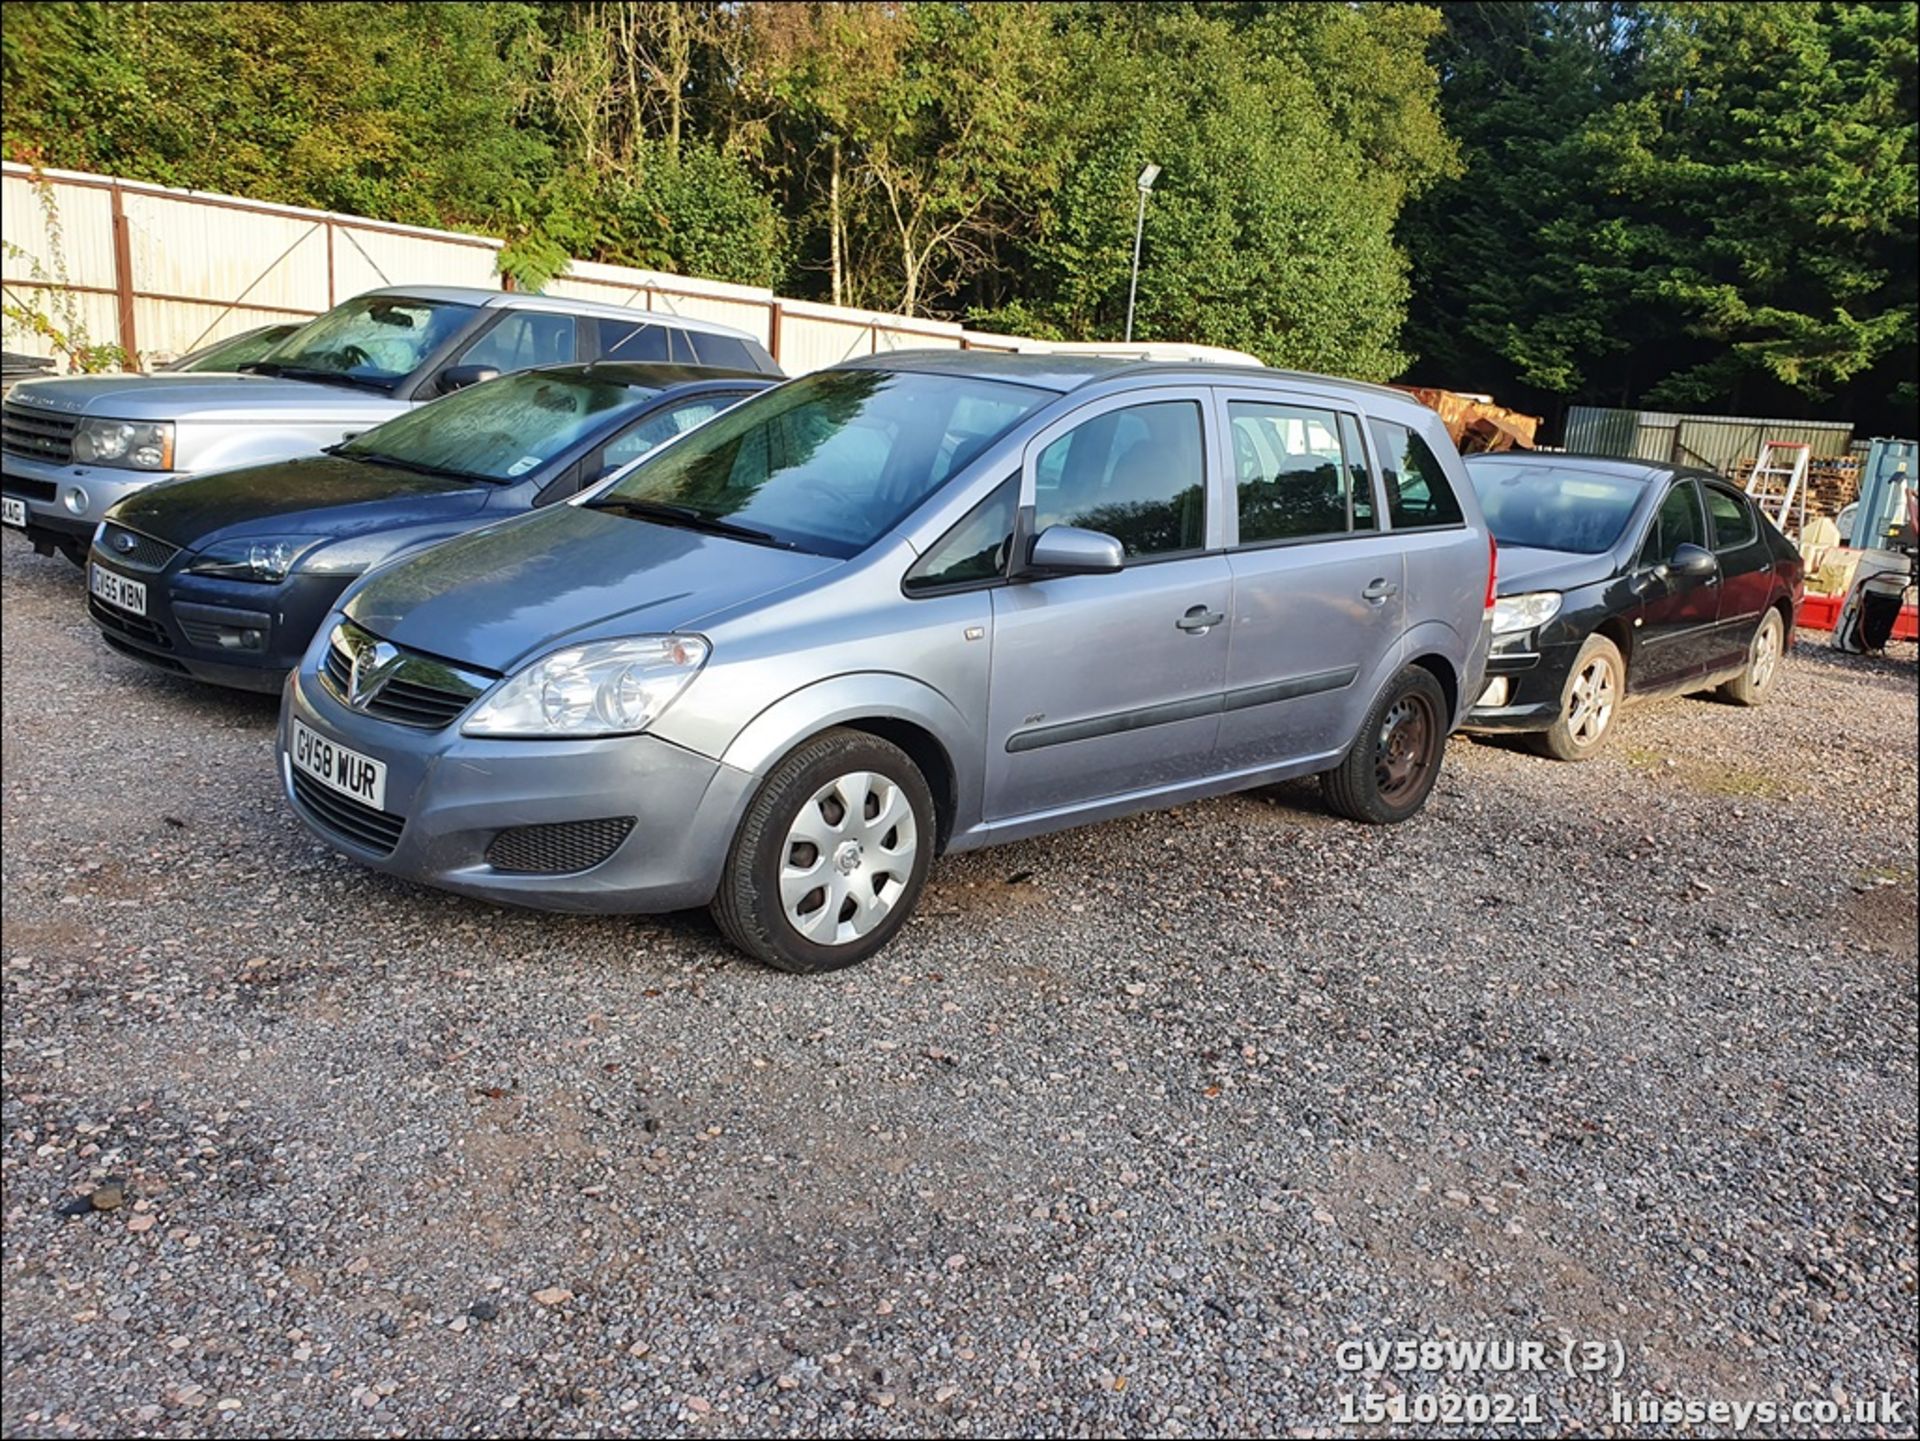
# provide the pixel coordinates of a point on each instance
(1292, 688)
(1168, 712)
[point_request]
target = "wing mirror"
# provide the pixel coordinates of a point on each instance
(1692, 562)
(1069, 550)
(459, 377)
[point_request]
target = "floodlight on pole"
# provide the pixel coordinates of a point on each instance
(1145, 186)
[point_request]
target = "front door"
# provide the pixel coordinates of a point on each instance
(1673, 623)
(1103, 685)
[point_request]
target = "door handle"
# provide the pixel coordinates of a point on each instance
(1380, 590)
(1199, 620)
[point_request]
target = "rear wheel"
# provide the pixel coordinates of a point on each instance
(1764, 654)
(831, 856)
(1388, 774)
(1588, 703)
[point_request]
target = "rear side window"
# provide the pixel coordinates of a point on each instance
(975, 550)
(644, 340)
(1295, 472)
(1135, 474)
(1418, 494)
(1732, 519)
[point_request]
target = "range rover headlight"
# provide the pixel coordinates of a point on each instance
(263, 558)
(129, 444)
(603, 688)
(1513, 613)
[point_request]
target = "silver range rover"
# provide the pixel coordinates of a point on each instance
(70, 448)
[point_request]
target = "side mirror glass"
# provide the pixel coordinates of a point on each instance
(1692, 562)
(459, 377)
(1069, 550)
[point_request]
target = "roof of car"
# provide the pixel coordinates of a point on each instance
(1620, 467)
(658, 375)
(1069, 371)
(524, 300)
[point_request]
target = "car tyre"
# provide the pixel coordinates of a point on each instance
(831, 855)
(1764, 654)
(1391, 768)
(1589, 703)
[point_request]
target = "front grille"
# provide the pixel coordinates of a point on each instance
(555, 849)
(134, 627)
(31, 489)
(142, 552)
(351, 820)
(42, 434)
(399, 686)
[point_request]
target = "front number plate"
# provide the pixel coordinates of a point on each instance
(358, 777)
(117, 590)
(13, 511)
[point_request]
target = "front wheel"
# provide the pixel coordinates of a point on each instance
(1392, 767)
(1588, 703)
(1769, 644)
(831, 856)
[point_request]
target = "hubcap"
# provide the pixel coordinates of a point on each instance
(1766, 653)
(1403, 752)
(1590, 706)
(848, 856)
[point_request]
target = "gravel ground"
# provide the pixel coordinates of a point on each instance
(1129, 1131)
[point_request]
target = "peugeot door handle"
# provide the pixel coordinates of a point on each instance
(1380, 590)
(1199, 620)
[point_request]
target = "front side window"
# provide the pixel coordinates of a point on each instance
(1136, 474)
(1418, 494)
(1732, 519)
(661, 427)
(376, 341)
(828, 463)
(522, 340)
(1295, 477)
(975, 550)
(502, 430)
(1678, 523)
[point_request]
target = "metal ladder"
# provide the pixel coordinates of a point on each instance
(1778, 479)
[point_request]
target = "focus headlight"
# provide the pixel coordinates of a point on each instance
(1525, 612)
(130, 444)
(604, 688)
(263, 558)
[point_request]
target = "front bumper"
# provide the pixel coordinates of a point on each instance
(451, 795)
(41, 484)
(225, 632)
(1534, 683)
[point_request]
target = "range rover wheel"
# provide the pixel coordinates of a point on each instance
(1390, 770)
(1764, 654)
(830, 857)
(1588, 703)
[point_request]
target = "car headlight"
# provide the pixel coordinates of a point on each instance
(263, 558)
(603, 688)
(1524, 612)
(130, 444)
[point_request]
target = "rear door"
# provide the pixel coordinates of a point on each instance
(1673, 623)
(1746, 573)
(1104, 685)
(1318, 586)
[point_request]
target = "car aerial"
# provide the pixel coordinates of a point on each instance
(1623, 578)
(230, 354)
(71, 447)
(914, 603)
(226, 577)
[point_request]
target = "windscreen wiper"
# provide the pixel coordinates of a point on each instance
(418, 467)
(314, 373)
(687, 518)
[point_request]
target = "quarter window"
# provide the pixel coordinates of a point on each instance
(1732, 520)
(1418, 494)
(1296, 475)
(1135, 473)
(522, 340)
(975, 550)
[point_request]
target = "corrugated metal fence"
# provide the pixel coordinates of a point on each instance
(165, 271)
(1718, 442)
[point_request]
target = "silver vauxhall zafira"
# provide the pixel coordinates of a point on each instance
(917, 603)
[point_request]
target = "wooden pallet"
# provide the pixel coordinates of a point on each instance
(1833, 482)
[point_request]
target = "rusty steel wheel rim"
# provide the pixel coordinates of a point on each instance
(1404, 751)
